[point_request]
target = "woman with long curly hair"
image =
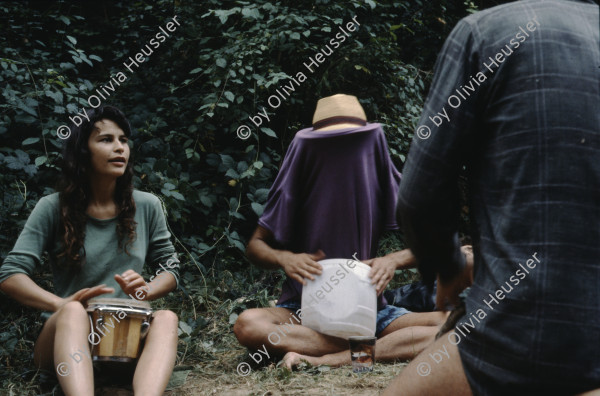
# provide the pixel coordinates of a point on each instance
(98, 232)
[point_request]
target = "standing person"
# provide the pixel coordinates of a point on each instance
(98, 232)
(528, 132)
(334, 195)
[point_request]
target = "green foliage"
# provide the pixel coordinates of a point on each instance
(188, 98)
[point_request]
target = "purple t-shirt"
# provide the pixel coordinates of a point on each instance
(336, 191)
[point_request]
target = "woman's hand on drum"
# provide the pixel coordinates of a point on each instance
(130, 282)
(85, 294)
(301, 265)
(382, 272)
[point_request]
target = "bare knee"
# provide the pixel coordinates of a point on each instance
(246, 325)
(163, 327)
(71, 312)
(165, 318)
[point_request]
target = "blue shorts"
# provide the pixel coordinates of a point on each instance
(385, 316)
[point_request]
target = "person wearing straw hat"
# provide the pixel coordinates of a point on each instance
(334, 196)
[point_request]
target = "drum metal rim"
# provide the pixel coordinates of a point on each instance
(103, 310)
(118, 302)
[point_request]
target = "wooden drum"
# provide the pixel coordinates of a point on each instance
(118, 326)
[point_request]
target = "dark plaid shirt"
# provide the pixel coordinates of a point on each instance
(526, 126)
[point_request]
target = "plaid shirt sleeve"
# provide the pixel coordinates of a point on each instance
(428, 196)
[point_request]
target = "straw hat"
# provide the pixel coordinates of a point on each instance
(337, 112)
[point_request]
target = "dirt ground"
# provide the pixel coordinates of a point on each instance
(207, 379)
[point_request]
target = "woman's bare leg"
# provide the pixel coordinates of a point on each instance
(404, 338)
(402, 344)
(63, 347)
(254, 326)
(158, 357)
(447, 377)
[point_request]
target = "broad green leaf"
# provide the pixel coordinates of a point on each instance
(30, 140)
(257, 208)
(268, 132)
(227, 160)
(232, 173)
(229, 95)
(261, 194)
(177, 195)
(221, 62)
(40, 160)
(206, 201)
